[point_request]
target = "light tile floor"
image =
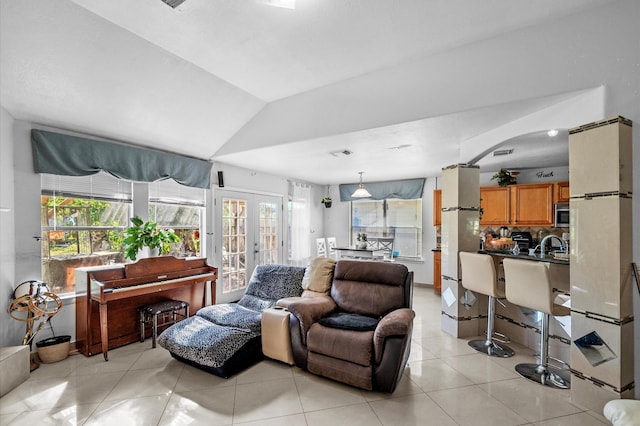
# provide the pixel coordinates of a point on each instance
(445, 383)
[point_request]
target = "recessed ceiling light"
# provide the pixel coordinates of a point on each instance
(552, 133)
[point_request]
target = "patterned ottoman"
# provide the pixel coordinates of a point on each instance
(225, 339)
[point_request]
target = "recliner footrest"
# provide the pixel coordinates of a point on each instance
(203, 342)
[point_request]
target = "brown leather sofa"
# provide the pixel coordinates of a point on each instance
(361, 333)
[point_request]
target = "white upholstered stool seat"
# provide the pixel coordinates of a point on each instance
(622, 412)
(527, 283)
(479, 275)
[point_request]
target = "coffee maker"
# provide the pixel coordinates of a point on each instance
(523, 239)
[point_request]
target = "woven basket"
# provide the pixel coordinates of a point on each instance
(53, 349)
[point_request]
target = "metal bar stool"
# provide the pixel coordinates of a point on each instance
(149, 315)
(479, 275)
(528, 284)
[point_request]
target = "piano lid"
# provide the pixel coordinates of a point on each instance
(151, 269)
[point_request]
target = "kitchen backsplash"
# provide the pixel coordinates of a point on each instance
(537, 232)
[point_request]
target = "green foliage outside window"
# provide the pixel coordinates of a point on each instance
(73, 226)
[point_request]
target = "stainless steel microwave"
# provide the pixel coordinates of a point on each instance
(561, 215)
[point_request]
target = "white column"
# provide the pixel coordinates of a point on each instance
(600, 171)
(460, 232)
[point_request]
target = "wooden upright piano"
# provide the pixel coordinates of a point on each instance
(107, 297)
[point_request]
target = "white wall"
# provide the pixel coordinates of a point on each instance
(21, 252)
(12, 331)
(27, 249)
(547, 174)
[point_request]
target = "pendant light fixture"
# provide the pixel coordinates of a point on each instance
(361, 192)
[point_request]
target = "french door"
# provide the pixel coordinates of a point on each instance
(247, 233)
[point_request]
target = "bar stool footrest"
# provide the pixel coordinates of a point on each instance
(502, 338)
(492, 348)
(545, 375)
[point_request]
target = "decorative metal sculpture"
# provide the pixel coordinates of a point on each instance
(33, 303)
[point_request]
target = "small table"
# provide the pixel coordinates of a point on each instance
(357, 253)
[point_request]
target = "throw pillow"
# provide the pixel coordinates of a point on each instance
(347, 321)
(321, 275)
(306, 277)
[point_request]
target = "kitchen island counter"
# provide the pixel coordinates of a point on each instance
(524, 256)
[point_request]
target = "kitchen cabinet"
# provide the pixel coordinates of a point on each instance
(514, 205)
(437, 271)
(437, 207)
(532, 204)
(496, 205)
(561, 192)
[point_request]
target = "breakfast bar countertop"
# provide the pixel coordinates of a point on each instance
(525, 256)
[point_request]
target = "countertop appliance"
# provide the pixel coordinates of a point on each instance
(523, 239)
(561, 215)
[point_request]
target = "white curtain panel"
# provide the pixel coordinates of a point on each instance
(300, 223)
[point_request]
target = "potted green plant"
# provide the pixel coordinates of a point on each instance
(362, 240)
(505, 177)
(327, 201)
(147, 234)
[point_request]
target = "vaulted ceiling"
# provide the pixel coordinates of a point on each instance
(221, 79)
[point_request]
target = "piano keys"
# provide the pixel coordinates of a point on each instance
(107, 297)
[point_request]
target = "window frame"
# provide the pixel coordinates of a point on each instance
(79, 258)
(169, 193)
(385, 229)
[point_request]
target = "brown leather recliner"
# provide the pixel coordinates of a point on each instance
(361, 333)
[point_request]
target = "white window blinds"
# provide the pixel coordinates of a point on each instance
(98, 186)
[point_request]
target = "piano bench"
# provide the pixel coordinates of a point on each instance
(168, 311)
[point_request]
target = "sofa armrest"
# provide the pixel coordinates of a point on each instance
(622, 412)
(310, 310)
(395, 323)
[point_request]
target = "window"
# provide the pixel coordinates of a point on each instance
(299, 222)
(180, 208)
(82, 222)
(398, 219)
(234, 244)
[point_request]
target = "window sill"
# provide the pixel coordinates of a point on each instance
(68, 298)
(409, 259)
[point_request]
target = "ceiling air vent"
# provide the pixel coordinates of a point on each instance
(502, 152)
(173, 3)
(341, 152)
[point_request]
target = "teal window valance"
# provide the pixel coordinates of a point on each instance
(407, 189)
(61, 154)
